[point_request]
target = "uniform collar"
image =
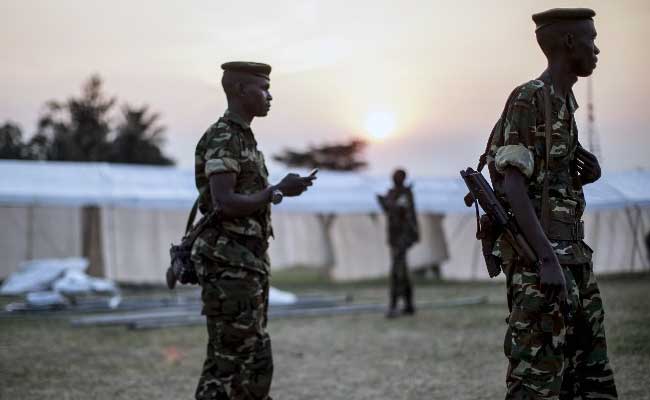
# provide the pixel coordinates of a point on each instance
(568, 106)
(231, 116)
(571, 104)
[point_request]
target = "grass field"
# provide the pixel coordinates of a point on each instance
(452, 353)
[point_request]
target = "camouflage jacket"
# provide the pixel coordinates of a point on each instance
(399, 206)
(229, 146)
(520, 141)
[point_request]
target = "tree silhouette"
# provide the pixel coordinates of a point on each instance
(139, 138)
(78, 129)
(11, 145)
(335, 157)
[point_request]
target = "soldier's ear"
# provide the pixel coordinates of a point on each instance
(568, 41)
(240, 88)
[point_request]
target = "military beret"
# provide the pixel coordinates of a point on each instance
(258, 69)
(555, 15)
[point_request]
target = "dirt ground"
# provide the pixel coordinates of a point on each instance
(450, 353)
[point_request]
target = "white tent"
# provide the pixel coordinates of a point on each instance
(124, 217)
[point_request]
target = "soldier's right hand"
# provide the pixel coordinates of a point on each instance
(551, 279)
(294, 185)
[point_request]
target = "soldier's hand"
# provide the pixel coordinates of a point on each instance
(551, 280)
(587, 165)
(294, 185)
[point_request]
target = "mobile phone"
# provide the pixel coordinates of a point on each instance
(313, 172)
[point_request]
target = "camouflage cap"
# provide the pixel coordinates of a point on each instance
(257, 69)
(555, 15)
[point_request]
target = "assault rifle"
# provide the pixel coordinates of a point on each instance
(494, 222)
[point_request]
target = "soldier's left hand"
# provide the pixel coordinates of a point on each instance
(587, 165)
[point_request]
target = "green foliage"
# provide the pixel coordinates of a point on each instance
(335, 157)
(79, 129)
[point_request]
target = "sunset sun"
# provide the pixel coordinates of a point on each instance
(380, 124)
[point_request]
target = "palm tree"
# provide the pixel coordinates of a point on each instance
(139, 138)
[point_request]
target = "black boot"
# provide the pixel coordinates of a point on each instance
(409, 309)
(392, 306)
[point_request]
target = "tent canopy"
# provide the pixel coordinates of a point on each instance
(77, 184)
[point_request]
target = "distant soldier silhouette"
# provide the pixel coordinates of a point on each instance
(399, 206)
(231, 257)
(555, 341)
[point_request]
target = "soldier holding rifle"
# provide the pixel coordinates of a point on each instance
(555, 341)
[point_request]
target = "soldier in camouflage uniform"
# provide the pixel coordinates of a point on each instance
(399, 206)
(231, 257)
(555, 341)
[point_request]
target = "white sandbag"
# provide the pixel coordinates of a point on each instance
(45, 299)
(280, 297)
(76, 282)
(39, 275)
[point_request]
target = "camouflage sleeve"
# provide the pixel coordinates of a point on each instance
(222, 154)
(515, 155)
(519, 123)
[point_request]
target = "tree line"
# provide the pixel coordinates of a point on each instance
(80, 129)
(344, 157)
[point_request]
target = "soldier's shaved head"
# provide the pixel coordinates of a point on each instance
(233, 82)
(247, 93)
(552, 39)
(399, 176)
(570, 42)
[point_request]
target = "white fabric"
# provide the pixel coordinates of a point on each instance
(32, 232)
(119, 185)
(279, 297)
(13, 238)
(361, 250)
(144, 210)
(616, 235)
(136, 242)
(300, 240)
(38, 275)
(75, 282)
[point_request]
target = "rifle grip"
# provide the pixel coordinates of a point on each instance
(469, 199)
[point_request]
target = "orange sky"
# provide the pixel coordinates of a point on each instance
(441, 69)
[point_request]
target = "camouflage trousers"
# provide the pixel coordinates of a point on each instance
(400, 282)
(556, 351)
(239, 362)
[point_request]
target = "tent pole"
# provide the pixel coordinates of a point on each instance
(641, 226)
(634, 225)
(30, 233)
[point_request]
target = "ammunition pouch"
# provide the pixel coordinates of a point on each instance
(181, 268)
(488, 233)
(563, 230)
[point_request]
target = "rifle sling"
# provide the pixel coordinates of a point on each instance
(192, 216)
(548, 128)
(483, 159)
